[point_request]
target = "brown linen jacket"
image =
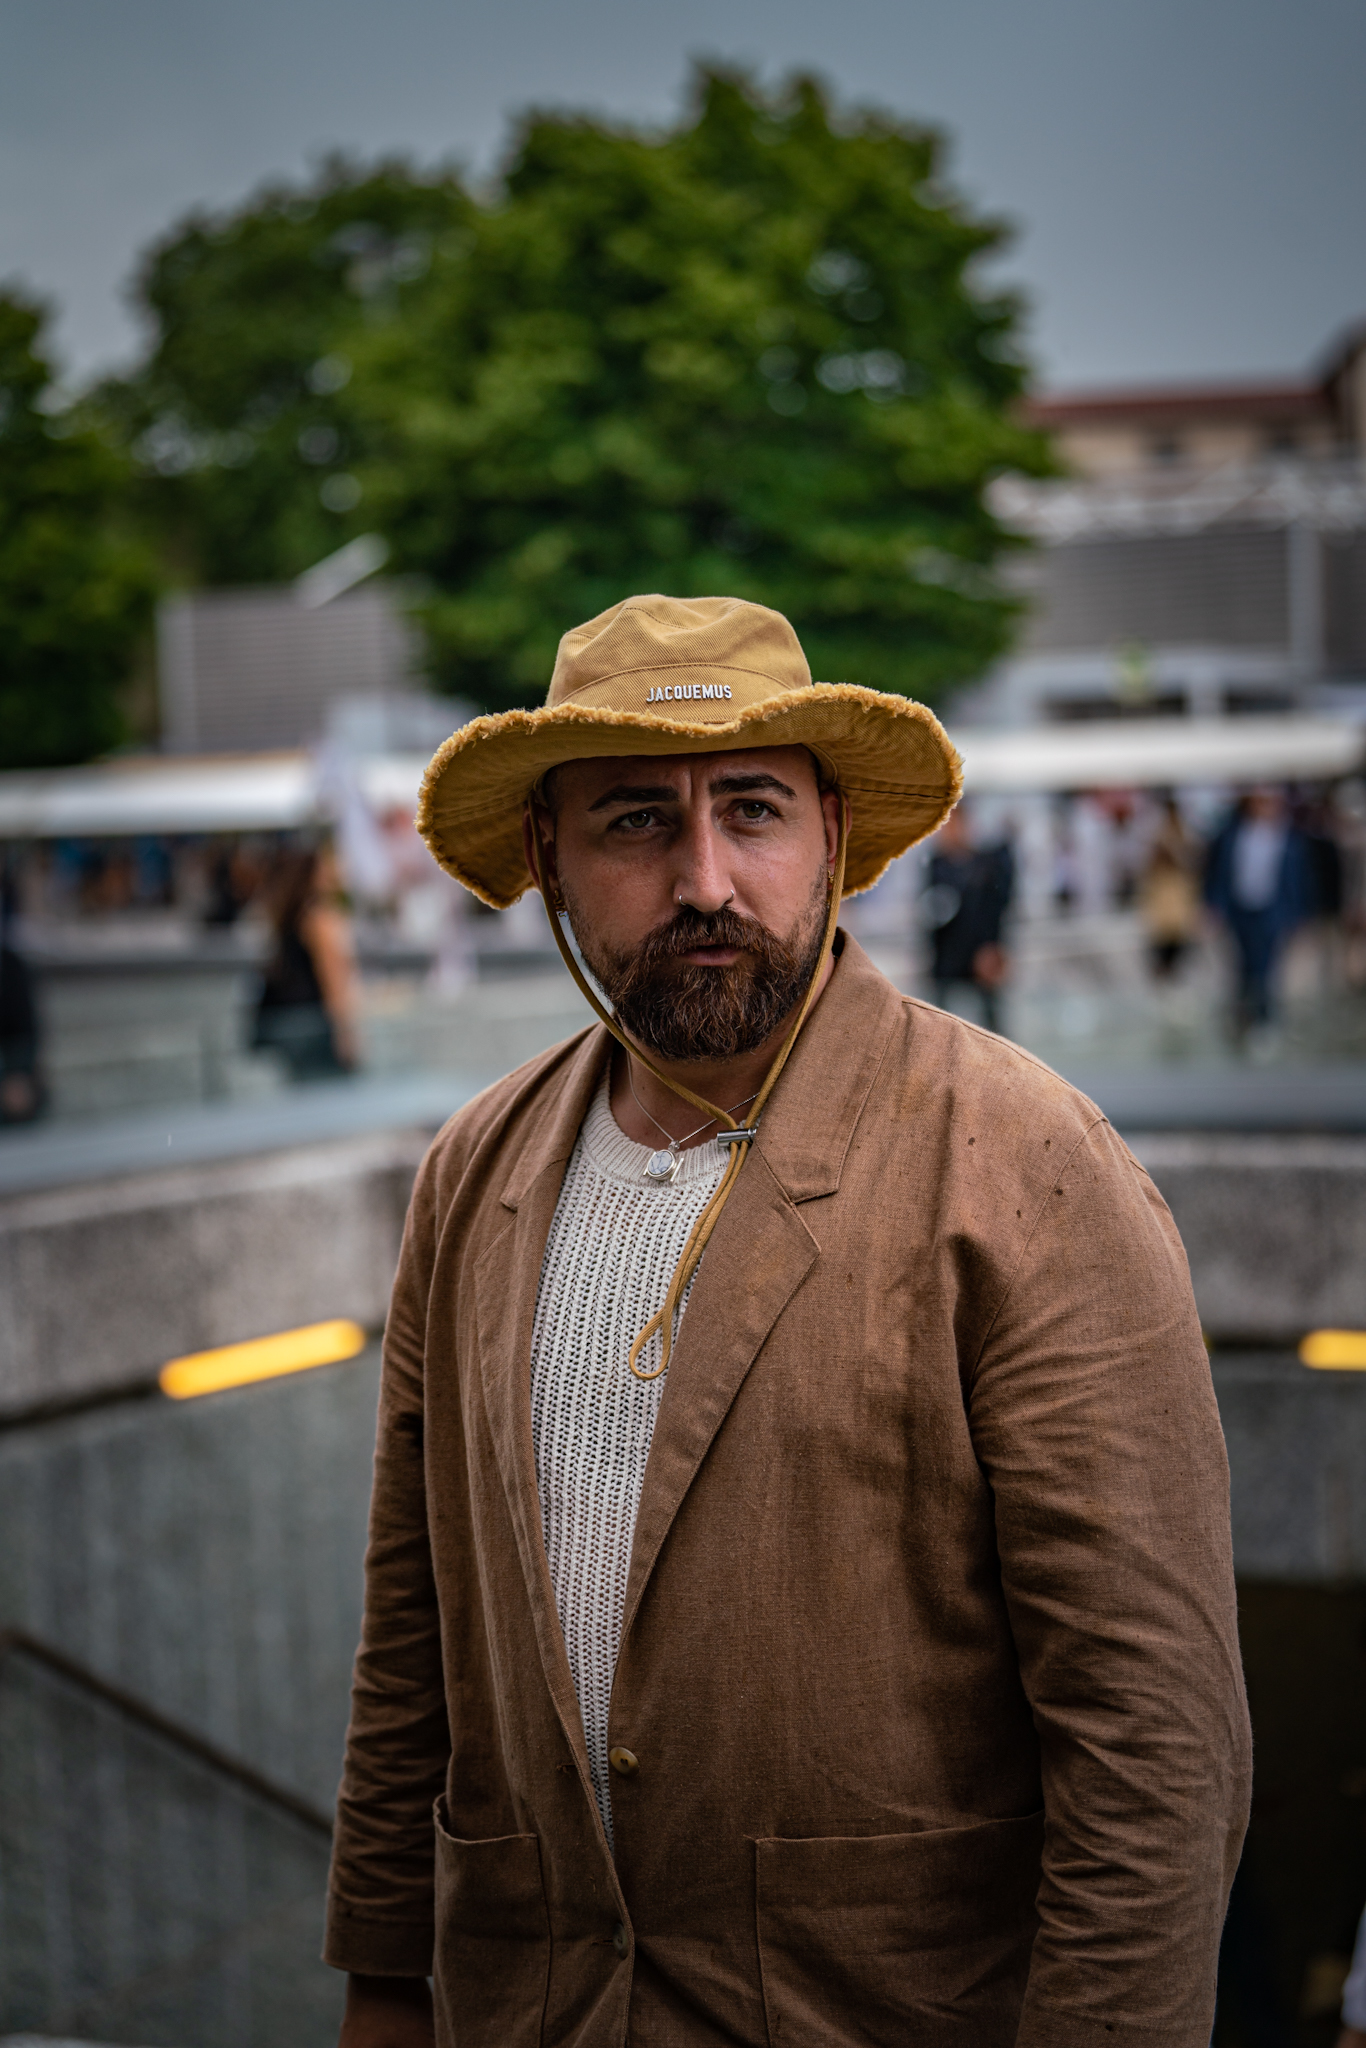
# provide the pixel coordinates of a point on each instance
(929, 1659)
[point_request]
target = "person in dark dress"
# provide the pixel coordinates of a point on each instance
(967, 894)
(233, 879)
(306, 1008)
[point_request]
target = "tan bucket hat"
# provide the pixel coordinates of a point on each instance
(674, 675)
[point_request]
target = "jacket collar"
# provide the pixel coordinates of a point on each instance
(810, 1119)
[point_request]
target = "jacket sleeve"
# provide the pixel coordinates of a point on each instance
(1095, 1421)
(380, 1897)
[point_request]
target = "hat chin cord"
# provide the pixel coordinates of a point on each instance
(664, 1319)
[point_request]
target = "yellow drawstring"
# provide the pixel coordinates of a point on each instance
(687, 1265)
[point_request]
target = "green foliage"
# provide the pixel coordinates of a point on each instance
(239, 418)
(746, 356)
(75, 586)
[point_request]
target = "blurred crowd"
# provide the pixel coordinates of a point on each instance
(1257, 872)
(1249, 878)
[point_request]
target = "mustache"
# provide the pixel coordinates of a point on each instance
(690, 928)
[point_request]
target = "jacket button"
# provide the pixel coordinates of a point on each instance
(621, 1941)
(625, 1761)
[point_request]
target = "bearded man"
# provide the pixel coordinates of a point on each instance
(799, 1603)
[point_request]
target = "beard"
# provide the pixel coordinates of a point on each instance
(681, 1011)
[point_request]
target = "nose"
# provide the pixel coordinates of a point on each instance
(701, 880)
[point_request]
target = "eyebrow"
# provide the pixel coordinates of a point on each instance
(637, 793)
(736, 785)
(665, 792)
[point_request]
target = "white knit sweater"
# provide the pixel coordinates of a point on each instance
(613, 1246)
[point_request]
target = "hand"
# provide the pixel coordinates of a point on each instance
(1352, 2037)
(387, 2012)
(990, 966)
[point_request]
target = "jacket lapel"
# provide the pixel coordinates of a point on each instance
(506, 1280)
(761, 1250)
(759, 1254)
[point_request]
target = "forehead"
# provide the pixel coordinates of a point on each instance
(687, 774)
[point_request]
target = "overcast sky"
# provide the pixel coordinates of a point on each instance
(1188, 176)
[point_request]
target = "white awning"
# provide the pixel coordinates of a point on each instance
(248, 793)
(279, 792)
(1137, 753)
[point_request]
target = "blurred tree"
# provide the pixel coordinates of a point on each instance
(745, 357)
(239, 417)
(75, 585)
(749, 355)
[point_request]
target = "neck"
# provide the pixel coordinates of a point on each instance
(727, 1083)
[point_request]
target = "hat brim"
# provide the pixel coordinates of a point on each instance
(890, 756)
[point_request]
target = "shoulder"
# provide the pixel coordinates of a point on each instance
(959, 1070)
(993, 1138)
(981, 1112)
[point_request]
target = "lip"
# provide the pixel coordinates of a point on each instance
(712, 956)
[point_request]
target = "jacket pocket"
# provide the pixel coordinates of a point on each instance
(492, 1940)
(881, 1939)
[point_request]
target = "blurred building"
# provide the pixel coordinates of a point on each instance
(244, 671)
(1204, 554)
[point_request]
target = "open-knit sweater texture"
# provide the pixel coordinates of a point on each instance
(614, 1242)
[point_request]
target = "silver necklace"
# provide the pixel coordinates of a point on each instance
(662, 1166)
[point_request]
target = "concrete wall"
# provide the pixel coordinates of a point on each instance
(100, 1284)
(206, 1556)
(1297, 1460)
(1274, 1227)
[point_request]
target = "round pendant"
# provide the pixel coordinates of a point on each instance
(661, 1166)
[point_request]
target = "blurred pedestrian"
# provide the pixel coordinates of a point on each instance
(1321, 969)
(1169, 891)
(233, 879)
(307, 1005)
(1259, 881)
(1353, 2033)
(967, 894)
(1093, 866)
(21, 1086)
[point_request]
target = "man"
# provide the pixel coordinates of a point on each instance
(1259, 881)
(799, 1575)
(967, 894)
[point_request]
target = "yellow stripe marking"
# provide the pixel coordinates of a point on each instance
(261, 1358)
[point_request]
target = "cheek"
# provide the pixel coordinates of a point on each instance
(622, 893)
(777, 883)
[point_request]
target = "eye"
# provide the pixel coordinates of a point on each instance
(753, 811)
(633, 821)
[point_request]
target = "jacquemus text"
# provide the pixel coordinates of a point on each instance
(673, 693)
